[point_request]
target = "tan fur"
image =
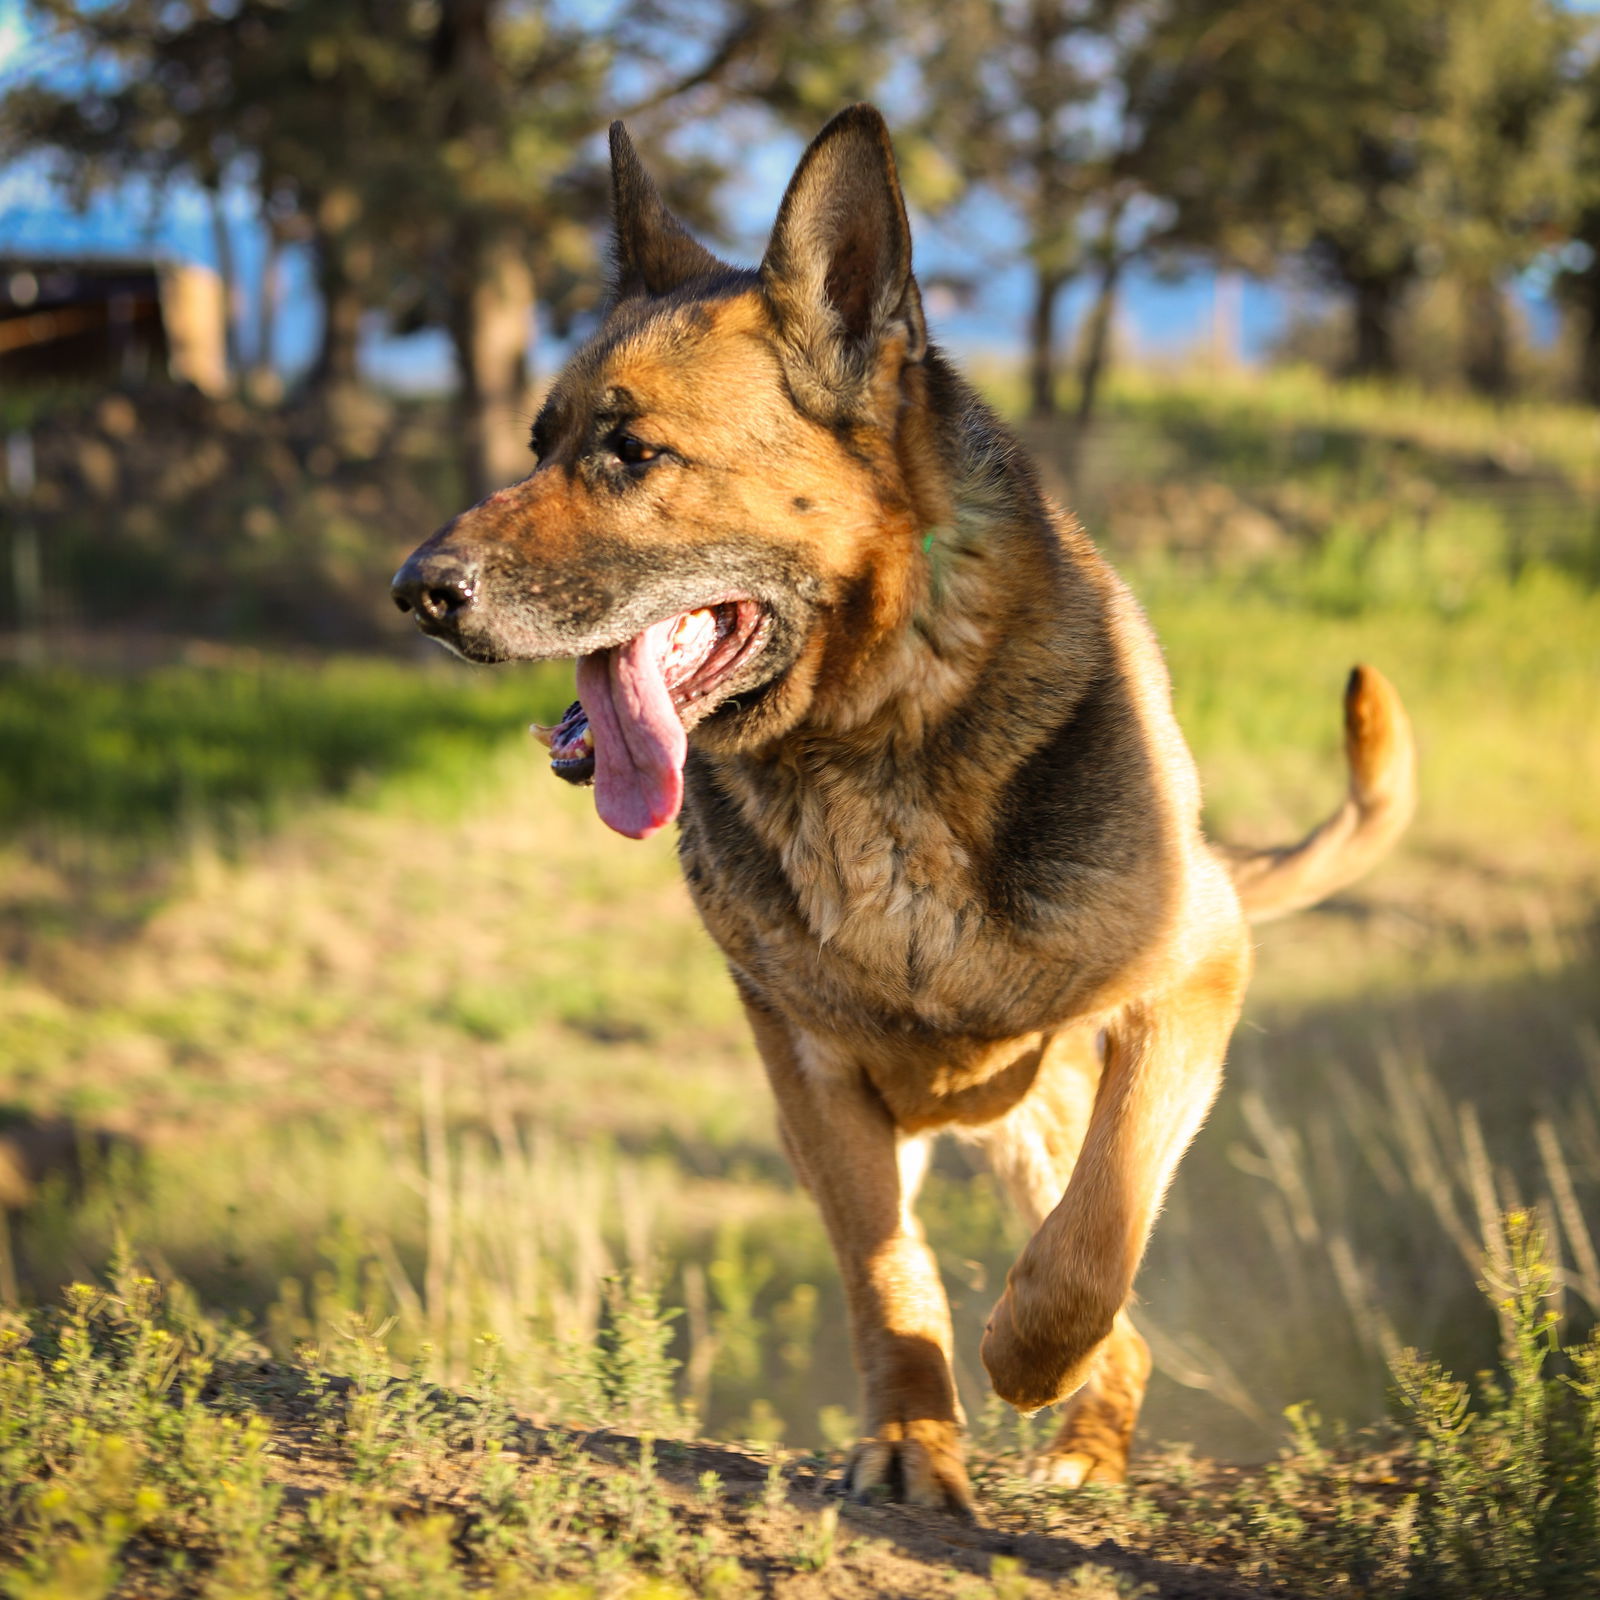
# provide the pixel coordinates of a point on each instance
(1379, 804)
(950, 845)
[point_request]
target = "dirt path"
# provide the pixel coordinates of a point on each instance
(898, 1550)
(723, 1520)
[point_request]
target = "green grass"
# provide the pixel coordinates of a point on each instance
(142, 756)
(1503, 698)
(1294, 417)
(1248, 425)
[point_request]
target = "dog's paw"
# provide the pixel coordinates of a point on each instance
(1097, 1426)
(917, 1463)
(1071, 1469)
(1033, 1365)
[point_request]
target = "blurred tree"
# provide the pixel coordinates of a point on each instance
(1578, 280)
(1377, 140)
(1298, 127)
(323, 99)
(1500, 167)
(795, 60)
(142, 108)
(1024, 95)
(510, 93)
(420, 148)
(431, 152)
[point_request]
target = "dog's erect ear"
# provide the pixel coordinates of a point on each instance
(654, 252)
(838, 269)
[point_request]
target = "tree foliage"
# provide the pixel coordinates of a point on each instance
(1378, 142)
(439, 156)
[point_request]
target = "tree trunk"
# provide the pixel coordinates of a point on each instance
(1376, 303)
(491, 322)
(1227, 319)
(1095, 345)
(491, 293)
(228, 272)
(342, 305)
(1589, 355)
(265, 385)
(1047, 289)
(1487, 339)
(1096, 354)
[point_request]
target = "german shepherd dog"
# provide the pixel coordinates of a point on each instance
(932, 800)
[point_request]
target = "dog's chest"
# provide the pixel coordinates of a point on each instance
(882, 885)
(858, 907)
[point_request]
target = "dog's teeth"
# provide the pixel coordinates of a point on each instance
(587, 740)
(545, 736)
(690, 633)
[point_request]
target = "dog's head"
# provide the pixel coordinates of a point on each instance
(723, 519)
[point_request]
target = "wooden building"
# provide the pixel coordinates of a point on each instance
(111, 320)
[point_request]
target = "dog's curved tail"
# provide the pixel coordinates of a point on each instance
(1382, 795)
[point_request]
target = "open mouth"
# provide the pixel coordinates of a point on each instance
(628, 730)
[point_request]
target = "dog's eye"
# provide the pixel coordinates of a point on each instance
(632, 451)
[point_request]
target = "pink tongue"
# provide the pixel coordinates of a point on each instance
(639, 742)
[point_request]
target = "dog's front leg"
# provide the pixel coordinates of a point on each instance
(844, 1146)
(1163, 1066)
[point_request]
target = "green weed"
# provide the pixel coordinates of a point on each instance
(1478, 1490)
(624, 1373)
(135, 1434)
(1514, 1509)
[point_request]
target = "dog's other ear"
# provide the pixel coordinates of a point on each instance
(838, 270)
(653, 252)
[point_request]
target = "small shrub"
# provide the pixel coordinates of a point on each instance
(1513, 1509)
(625, 1377)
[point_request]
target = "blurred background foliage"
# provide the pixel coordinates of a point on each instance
(314, 985)
(439, 161)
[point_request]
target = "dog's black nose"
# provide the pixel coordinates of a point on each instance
(437, 587)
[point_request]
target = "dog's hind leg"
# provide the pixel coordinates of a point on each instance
(848, 1153)
(1032, 1152)
(1072, 1280)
